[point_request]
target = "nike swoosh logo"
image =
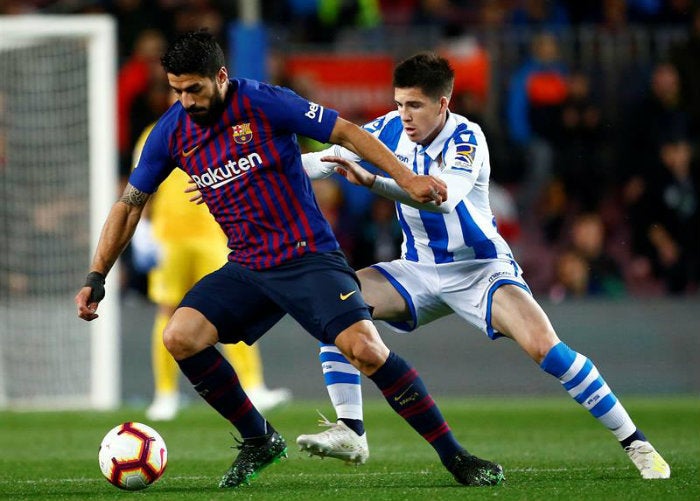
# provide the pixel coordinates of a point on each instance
(403, 393)
(188, 153)
(343, 297)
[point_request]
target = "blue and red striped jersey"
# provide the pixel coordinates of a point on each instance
(248, 169)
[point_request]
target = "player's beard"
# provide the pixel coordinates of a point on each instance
(208, 116)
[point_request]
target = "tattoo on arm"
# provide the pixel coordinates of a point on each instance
(133, 196)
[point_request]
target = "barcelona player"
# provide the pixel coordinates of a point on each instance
(236, 139)
(178, 244)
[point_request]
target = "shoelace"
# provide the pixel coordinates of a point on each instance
(323, 421)
(239, 443)
(639, 450)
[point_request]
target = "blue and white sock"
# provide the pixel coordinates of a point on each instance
(584, 383)
(343, 385)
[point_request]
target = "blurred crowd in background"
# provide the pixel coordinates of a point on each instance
(591, 109)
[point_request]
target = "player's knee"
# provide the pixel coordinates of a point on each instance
(171, 340)
(178, 342)
(541, 341)
(363, 348)
(369, 357)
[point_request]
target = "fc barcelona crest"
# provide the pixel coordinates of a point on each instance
(242, 133)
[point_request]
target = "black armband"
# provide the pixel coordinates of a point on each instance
(96, 281)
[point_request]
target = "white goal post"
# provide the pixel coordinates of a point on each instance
(58, 181)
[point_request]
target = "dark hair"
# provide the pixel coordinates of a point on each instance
(429, 72)
(194, 52)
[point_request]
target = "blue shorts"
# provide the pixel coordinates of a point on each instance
(319, 290)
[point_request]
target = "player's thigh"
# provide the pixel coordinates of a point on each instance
(172, 278)
(320, 291)
(381, 294)
(516, 314)
(239, 309)
(469, 288)
(418, 285)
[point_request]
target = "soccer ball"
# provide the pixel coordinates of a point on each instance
(132, 456)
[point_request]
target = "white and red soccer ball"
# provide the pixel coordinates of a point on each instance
(132, 456)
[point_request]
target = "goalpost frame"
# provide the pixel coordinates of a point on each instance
(100, 32)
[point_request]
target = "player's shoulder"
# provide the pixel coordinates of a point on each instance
(382, 121)
(466, 130)
(386, 126)
(248, 85)
(465, 123)
(256, 89)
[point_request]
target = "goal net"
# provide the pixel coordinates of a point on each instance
(58, 180)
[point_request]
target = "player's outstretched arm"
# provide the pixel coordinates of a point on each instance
(383, 186)
(315, 167)
(366, 146)
(116, 233)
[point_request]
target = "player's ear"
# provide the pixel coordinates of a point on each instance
(444, 103)
(222, 76)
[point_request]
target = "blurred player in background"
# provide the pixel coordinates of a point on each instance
(453, 261)
(236, 138)
(178, 243)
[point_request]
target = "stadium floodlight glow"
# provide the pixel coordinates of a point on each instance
(58, 180)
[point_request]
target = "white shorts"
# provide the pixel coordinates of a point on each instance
(465, 288)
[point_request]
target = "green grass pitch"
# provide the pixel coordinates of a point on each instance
(550, 449)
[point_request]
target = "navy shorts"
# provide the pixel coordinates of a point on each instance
(319, 290)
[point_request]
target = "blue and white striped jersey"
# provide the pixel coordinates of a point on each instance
(459, 155)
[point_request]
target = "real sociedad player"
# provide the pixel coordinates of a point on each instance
(453, 261)
(236, 138)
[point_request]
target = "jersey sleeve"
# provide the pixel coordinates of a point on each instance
(465, 154)
(296, 114)
(154, 163)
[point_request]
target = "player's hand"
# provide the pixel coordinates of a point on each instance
(193, 188)
(90, 296)
(425, 189)
(352, 171)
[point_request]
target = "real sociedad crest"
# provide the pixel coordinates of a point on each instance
(242, 133)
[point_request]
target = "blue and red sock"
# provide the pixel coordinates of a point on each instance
(407, 395)
(216, 382)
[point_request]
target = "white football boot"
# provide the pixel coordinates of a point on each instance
(649, 462)
(338, 441)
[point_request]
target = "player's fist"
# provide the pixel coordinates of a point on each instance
(90, 295)
(425, 189)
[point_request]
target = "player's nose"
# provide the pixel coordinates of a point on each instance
(187, 100)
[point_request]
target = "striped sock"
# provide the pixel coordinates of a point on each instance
(584, 383)
(216, 382)
(404, 390)
(343, 385)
